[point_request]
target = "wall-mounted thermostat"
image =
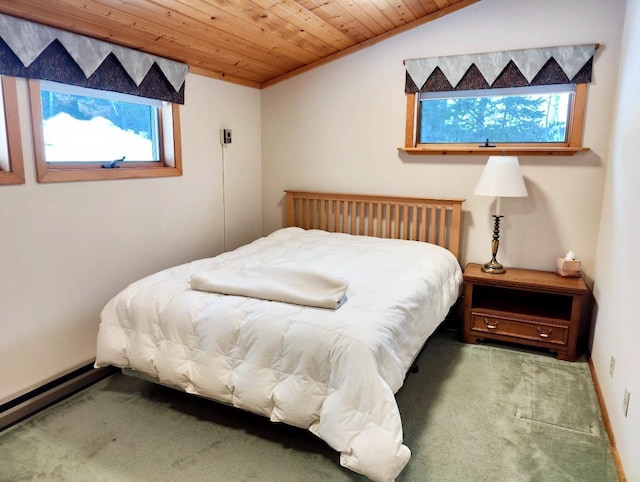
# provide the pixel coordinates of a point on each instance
(226, 136)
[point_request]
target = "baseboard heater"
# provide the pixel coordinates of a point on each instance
(28, 404)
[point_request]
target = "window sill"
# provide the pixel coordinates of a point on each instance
(48, 174)
(488, 151)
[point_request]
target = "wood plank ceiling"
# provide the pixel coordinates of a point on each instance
(250, 42)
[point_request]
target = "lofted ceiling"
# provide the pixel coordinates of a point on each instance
(250, 42)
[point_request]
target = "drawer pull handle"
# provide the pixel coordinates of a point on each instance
(490, 325)
(544, 334)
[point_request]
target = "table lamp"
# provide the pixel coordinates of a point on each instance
(501, 178)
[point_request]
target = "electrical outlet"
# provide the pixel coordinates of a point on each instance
(625, 402)
(612, 366)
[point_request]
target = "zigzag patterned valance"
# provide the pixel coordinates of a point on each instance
(514, 68)
(32, 50)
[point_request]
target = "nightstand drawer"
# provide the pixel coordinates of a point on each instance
(525, 329)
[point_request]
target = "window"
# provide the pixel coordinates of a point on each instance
(11, 167)
(86, 134)
(84, 125)
(516, 115)
(545, 119)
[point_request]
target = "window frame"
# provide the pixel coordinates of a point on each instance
(15, 174)
(170, 151)
(573, 144)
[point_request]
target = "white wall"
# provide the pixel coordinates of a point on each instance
(617, 326)
(338, 127)
(67, 248)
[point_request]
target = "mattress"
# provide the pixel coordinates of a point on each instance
(333, 372)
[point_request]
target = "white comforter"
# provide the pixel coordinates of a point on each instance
(333, 372)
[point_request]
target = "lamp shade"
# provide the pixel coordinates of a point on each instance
(501, 177)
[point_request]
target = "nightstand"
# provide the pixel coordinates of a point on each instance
(534, 308)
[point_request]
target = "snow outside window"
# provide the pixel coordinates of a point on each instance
(84, 125)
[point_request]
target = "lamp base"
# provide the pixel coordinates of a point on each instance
(493, 267)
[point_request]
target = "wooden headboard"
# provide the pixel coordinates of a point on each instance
(435, 221)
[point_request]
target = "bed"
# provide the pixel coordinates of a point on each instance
(330, 368)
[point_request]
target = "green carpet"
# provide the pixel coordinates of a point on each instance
(471, 413)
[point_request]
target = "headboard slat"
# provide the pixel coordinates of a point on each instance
(423, 224)
(422, 219)
(385, 227)
(330, 216)
(432, 227)
(441, 228)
